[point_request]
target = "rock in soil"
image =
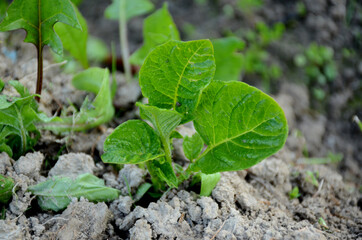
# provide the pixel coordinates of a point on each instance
(72, 165)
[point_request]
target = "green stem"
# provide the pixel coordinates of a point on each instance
(123, 39)
(167, 148)
(156, 181)
(39, 82)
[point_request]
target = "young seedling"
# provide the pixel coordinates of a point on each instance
(238, 123)
(123, 11)
(6, 189)
(294, 193)
(37, 18)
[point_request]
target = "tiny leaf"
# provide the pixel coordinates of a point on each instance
(164, 121)
(229, 62)
(132, 142)
(134, 8)
(208, 183)
(241, 126)
(37, 18)
(193, 146)
(174, 74)
(55, 194)
(165, 172)
(158, 28)
(142, 190)
(6, 188)
(75, 40)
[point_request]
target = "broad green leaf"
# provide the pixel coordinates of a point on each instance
(241, 126)
(165, 172)
(164, 121)
(228, 60)
(92, 114)
(3, 6)
(208, 183)
(174, 74)
(158, 28)
(55, 194)
(134, 8)
(75, 40)
(37, 18)
(132, 142)
(192, 146)
(77, 2)
(6, 188)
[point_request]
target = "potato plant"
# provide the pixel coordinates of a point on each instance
(238, 124)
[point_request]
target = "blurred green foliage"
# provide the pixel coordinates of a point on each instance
(319, 67)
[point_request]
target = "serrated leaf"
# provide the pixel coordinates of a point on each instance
(37, 18)
(175, 73)
(101, 110)
(132, 142)
(164, 121)
(75, 40)
(158, 28)
(134, 8)
(192, 146)
(6, 188)
(55, 194)
(208, 183)
(241, 126)
(228, 60)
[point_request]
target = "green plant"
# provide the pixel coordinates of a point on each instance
(20, 119)
(312, 177)
(158, 28)
(256, 58)
(319, 67)
(6, 189)
(294, 193)
(123, 11)
(56, 193)
(239, 124)
(37, 18)
(18, 115)
(358, 122)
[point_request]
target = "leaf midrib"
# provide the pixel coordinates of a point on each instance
(181, 75)
(211, 147)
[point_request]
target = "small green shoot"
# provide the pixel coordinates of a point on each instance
(294, 193)
(331, 158)
(323, 223)
(6, 189)
(124, 10)
(55, 194)
(311, 177)
(358, 122)
(37, 18)
(142, 190)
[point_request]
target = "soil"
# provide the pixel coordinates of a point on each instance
(249, 204)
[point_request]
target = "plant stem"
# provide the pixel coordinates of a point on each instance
(156, 181)
(39, 82)
(123, 39)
